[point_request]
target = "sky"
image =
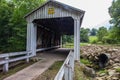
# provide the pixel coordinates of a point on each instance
(96, 11)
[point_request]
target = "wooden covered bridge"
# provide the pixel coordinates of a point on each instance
(47, 24)
(45, 27)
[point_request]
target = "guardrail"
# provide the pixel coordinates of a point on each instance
(43, 49)
(66, 72)
(7, 58)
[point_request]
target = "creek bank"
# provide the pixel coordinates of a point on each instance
(105, 61)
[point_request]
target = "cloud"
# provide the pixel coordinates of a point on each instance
(96, 10)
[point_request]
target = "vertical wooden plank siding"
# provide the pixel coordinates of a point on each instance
(59, 12)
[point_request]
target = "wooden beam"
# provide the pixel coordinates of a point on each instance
(61, 41)
(78, 40)
(31, 38)
(75, 38)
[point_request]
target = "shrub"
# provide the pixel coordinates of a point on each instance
(109, 40)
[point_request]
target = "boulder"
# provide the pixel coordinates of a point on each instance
(88, 71)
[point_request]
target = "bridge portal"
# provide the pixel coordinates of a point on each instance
(46, 25)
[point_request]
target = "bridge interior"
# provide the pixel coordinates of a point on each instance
(50, 31)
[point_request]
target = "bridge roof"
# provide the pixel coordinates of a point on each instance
(64, 6)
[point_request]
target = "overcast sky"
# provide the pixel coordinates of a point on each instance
(96, 10)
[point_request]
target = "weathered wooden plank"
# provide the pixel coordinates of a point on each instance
(4, 55)
(17, 59)
(2, 62)
(43, 49)
(13, 54)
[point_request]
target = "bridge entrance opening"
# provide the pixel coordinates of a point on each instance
(51, 30)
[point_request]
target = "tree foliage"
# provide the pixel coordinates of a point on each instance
(12, 23)
(84, 35)
(101, 33)
(67, 39)
(114, 12)
(93, 32)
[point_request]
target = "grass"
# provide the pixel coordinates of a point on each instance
(79, 75)
(92, 39)
(51, 72)
(15, 69)
(83, 44)
(118, 69)
(103, 71)
(71, 45)
(85, 61)
(68, 45)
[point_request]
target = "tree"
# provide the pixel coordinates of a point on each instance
(6, 10)
(18, 23)
(93, 32)
(84, 35)
(114, 12)
(67, 39)
(101, 33)
(12, 23)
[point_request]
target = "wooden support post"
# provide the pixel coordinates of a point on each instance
(35, 39)
(31, 38)
(6, 65)
(78, 40)
(75, 39)
(28, 47)
(61, 41)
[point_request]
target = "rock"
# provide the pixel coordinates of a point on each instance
(116, 60)
(35, 59)
(88, 71)
(116, 67)
(116, 64)
(102, 74)
(115, 78)
(113, 53)
(111, 62)
(117, 75)
(111, 72)
(98, 78)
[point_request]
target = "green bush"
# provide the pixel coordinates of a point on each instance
(94, 42)
(109, 40)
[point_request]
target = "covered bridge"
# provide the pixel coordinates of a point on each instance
(46, 25)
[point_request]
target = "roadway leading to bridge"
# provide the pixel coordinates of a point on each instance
(33, 71)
